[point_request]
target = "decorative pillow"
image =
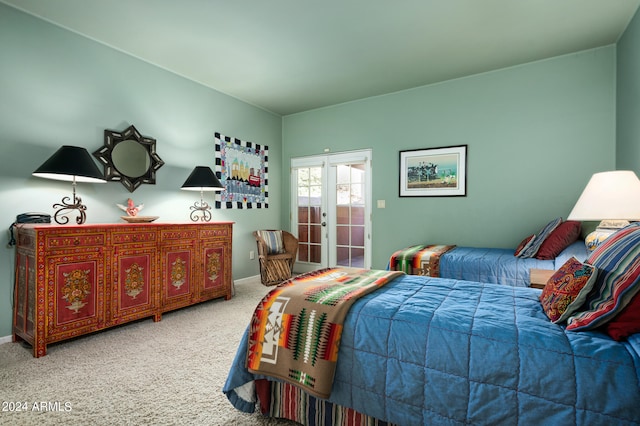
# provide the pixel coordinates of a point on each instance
(627, 322)
(539, 239)
(524, 244)
(596, 238)
(567, 289)
(273, 240)
(564, 235)
(618, 262)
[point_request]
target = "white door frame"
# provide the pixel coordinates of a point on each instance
(328, 163)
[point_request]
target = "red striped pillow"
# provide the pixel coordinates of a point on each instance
(618, 262)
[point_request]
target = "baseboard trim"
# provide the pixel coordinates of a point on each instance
(6, 339)
(247, 279)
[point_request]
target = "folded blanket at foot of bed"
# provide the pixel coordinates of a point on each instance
(419, 260)
(296, 329)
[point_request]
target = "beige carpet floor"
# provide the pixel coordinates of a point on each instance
(144, 373)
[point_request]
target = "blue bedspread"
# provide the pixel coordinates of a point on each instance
(439, 351)
(500, 266)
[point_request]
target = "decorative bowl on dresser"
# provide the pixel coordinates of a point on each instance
(76, 279)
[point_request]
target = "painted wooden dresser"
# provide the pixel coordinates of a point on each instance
(77, 279)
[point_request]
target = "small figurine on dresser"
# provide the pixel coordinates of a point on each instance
(132, 213)
(131, 208)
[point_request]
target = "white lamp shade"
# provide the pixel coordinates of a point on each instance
(609, 195)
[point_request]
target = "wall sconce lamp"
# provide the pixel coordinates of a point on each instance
(70, 163)
(610, 197)
(202, 179)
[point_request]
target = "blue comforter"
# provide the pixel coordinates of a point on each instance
(439, 351)
(500, 266)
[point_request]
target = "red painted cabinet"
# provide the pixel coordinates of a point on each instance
(73, 280)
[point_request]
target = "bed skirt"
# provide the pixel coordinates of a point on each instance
(287, 401)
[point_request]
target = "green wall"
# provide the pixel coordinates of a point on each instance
(535, 134)
(628, 98)
(60, 88)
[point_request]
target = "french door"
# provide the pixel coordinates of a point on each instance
(331, 210)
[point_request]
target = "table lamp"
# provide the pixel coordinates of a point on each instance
(202, 179)
(612, 198)
(70, 163)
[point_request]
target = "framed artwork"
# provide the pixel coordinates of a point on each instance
(434, 172)
(243, 169)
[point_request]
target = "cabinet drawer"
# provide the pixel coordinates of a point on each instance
(214, 232)
(133, 237)
(180, 234)
(77, 240)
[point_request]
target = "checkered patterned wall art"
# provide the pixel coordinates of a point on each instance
(242, 168)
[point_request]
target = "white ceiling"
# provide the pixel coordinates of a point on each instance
(288, 56)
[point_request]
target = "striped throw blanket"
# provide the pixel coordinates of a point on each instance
(295, 330)
(419, 260)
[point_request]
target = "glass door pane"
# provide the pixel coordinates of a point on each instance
(309, 217)
(350, 215)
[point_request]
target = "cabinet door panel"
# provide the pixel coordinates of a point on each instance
(213, 267)
(177, 275)
(75, 289)
(134, 289)
(134, 281)
(76, 295)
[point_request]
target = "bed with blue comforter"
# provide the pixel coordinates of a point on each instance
(436, 351)
(500, 266)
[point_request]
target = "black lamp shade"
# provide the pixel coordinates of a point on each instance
(70, 163)
(202, 178)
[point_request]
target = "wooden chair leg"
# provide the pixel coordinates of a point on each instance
(274, 271)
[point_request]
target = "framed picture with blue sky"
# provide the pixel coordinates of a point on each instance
(434, 172)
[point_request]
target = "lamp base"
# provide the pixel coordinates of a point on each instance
(200, 212)
(65, 208)
(604, 230)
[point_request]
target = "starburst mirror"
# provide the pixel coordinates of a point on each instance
(129, 157)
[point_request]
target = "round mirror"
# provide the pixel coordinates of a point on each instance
(130, 158)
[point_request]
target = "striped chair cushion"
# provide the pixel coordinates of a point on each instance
(274, 241)
(618, 280)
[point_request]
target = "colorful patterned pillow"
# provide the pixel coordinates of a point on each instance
(618, 262)
(565, 234)
(532, 250)
(567, 289)
(524, 244)
(273, 240)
